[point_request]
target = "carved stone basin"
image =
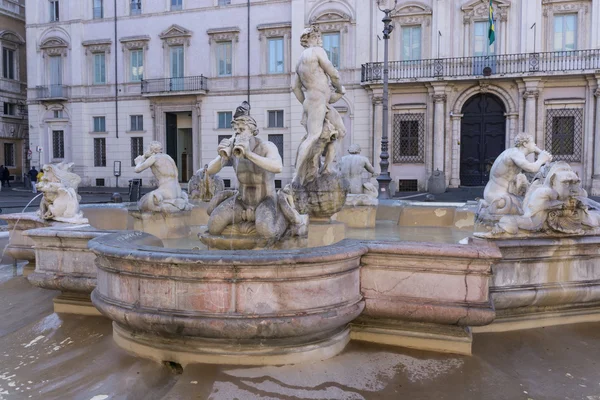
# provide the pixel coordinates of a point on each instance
(239, 307)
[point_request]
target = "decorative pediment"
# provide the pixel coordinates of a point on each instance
(54, 46)
(274, 30)
(331, 21)
(12, 37)
(97, 46)
(176, 35)
(231, 33)
(553, 6)
(413, 9)
(135, 42)
(479, 9)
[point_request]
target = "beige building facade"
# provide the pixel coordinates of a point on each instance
(14, 149)
(175, 70)
(456, 102)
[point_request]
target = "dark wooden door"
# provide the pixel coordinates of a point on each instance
(483, 131)
(172, 136)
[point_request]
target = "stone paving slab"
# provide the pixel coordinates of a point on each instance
(44, 355)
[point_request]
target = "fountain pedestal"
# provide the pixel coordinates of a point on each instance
(163, 225)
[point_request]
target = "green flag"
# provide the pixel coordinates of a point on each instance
(492, 31)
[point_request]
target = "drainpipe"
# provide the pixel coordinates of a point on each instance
(248, 7)
(116, 80)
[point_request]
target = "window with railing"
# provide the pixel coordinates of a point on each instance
(565, 32)
(54, 10)
(277, 140)
(8, 63)
(98, 9)
(564, 133)
(135, 7)
(137, 148)
(137, 123)
(9, 155)
(176, 5)
(99, 152)
(408, 138)
(58, 144)
(411, 43)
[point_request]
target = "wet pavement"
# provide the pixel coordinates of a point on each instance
(44, 355)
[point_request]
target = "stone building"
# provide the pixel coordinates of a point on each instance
(456, 102)
(14, 149)
(175, 70)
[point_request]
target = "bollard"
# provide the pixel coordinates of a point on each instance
(116, 198)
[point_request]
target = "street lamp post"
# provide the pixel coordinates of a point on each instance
(384, 176)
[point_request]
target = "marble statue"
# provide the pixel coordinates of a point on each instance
(353, 165)
(255, 209)
(555, 204)
(168, 197)
(503, 194)
(203, 186)
(321, 120)
(60, 201)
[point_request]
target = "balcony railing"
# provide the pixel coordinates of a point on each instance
(506, 64)
(167, 85)
(52, 92)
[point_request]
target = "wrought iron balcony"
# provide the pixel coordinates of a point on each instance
(555, 62)
(174, 85)
(52, 92)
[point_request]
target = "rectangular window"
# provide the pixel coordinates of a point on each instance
(224, 2)
(176, 5)
(54, 11)
(224, 119)
(275, 119)
(136, 61)
(137, 122)
(58, 114)
(564, 133)
(10, 109)
(408, 138)
(565, 32)
(99, 69)
(137, 148)
(277, 140)
(99, 124)
(411, 43)
(98, 9)
(224, 58)
(275, 55)
(331, 44)
(9, 154)
(136, 7)
(58, 144)
(8, 63)
(482, 43)
(99, 152)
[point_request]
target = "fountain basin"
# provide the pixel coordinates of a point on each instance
(543, 281)
(65, 263)
(188, 306)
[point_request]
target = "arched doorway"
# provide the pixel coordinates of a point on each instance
(483, 131)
